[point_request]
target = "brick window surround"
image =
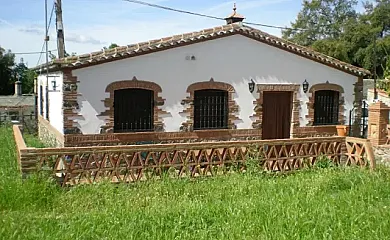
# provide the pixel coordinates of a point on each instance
(134, 83)
(310, 103)
(189, 102)
(261, 88)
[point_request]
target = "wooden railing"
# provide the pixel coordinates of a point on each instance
(131, 163)
(360, 152)
(20, 144)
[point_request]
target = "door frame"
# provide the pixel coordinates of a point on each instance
(266, 87)
(288, 95)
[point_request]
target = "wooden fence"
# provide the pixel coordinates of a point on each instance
(131, 163)
(28, 121)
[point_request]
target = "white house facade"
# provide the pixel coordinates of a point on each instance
(232, 77)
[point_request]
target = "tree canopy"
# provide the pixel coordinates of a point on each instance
(10, 72)
(112, 45)
(335, 28)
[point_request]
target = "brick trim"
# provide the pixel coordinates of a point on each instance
(261, 88)
(358, 104)
(189, 101)
(310, 103)
(70, 104)
(107, 139)
(134, 83)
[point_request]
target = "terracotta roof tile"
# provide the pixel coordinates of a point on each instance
(194, 37)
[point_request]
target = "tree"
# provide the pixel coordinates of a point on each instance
(334, 28)
(26, 76)
(7, 79)
(112, 46)
(11, 72)
(321, 19)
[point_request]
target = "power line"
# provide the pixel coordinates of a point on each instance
(47, 30)
(208, 16)
(27, 53)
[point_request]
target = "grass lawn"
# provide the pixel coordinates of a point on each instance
(343, 203)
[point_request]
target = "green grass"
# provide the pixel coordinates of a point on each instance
(32, 141)
(345, 203)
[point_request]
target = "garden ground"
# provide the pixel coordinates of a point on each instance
(330, 203)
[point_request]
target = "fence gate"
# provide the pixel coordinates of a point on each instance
(360, 124)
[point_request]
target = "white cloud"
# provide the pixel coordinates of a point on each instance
(83, 39)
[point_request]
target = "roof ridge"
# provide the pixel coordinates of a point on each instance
(300, 46)
(202, 35)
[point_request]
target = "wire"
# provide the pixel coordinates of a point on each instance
(48, 28)
(26, 53)
(172, 9)
(208, 16)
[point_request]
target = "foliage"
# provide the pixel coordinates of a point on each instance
(112, 46)
(333, 203)
(334, 28)
(33, 141)
(7, 78)
(26, 76)
(387, 68)
(323, 19)
(323, 162)
(11, 72)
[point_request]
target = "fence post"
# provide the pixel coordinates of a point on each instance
(370, 154)
(378, 119)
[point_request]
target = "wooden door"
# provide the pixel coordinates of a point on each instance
(277, 108)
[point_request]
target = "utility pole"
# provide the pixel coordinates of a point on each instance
(60, 30)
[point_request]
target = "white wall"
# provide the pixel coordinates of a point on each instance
(382, 96)
(234, 59)
(55, 99)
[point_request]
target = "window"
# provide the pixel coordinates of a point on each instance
(210, 109)
(326, 107)
(133, 110)
(41, 100)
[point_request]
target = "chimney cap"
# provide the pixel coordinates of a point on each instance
(234, 16)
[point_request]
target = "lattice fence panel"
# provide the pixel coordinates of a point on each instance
(142, 162)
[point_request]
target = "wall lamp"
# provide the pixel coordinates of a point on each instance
(54, 85)
(305, 86)
(251, 86)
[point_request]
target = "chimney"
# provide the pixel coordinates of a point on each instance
(234, 17)
(18, 88)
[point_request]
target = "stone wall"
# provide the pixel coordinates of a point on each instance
(382, 155)
(48, 134)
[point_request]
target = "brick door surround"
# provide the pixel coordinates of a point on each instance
(266, 87)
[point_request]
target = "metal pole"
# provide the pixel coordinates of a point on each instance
(375, 90)
(47, 62)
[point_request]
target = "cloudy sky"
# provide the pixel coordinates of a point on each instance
(92, 24)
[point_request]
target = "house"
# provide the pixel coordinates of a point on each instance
(227, 82)
(18, 107)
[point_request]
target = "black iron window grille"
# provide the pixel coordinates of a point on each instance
(211, 109)
(133, 110)
(326, 107)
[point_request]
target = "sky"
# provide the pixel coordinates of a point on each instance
(89, 25)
